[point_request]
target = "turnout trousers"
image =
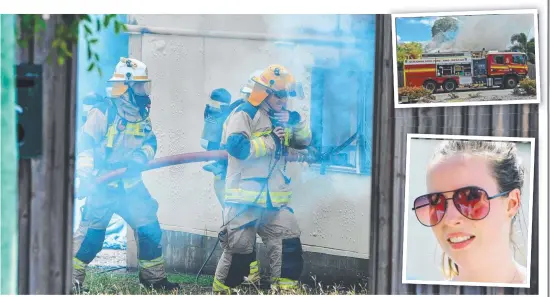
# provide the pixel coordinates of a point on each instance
(280, 233)
(139, 210)
(254, 276)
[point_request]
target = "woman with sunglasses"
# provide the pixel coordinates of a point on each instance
(474, 196)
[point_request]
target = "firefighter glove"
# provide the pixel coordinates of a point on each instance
(137, 163)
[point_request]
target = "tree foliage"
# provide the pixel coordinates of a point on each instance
(444, 25)
(409, 50)
(33, 26)
(521, 44)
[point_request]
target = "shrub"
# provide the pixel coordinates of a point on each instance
(453, 96)
(529, 85)
(476, 95)
(414, 92)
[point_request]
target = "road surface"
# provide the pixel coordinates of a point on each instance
(479, 95)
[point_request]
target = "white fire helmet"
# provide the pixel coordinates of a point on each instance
(130, 73)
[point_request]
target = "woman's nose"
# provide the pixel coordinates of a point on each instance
(453, 216)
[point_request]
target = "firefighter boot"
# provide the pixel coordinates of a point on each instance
(285, 285)
(219, 288)
(162, 285)
(254, 277)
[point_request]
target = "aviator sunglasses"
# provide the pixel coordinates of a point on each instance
(472, 202)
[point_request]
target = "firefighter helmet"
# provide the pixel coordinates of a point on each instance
(130, 73)
(276, 80)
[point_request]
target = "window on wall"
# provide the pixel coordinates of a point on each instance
(342, 119)
(342, 98)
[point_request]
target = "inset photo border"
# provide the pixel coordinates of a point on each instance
(466, 58)
(462, 243)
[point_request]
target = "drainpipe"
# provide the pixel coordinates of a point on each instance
(349, 41)
(8, 159)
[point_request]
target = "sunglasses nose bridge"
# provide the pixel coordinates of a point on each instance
(452, 214)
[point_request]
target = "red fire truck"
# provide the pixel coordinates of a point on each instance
(465, 69)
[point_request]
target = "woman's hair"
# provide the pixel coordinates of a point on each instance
(504, 163)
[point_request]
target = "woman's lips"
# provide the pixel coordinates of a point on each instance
(459, 240)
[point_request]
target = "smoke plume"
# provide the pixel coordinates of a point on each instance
(492, 32)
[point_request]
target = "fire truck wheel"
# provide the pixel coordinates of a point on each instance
(510, 82)
(430, 85)
(449, 85)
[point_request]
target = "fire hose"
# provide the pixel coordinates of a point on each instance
(182, 159)
(185, 158)
(216, 155)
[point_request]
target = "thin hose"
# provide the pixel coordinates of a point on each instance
(207, 259)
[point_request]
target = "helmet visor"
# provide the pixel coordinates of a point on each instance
(246, 90)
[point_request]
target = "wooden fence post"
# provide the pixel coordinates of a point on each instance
(382, 162)
(52, 174)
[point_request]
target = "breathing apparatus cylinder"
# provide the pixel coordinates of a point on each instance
(215, 114)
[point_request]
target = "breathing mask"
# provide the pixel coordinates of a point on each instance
(138, 93)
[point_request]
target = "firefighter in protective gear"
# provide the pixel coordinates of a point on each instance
(257, 190)
(119, 134)
(219, 188)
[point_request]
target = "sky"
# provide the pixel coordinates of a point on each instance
(414, 29)
(493, 27)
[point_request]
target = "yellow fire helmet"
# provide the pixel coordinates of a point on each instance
(130, 73)
(276, 80)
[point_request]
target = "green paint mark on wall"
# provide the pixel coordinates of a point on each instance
(8, 159)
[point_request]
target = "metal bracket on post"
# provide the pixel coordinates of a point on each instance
(29, 99)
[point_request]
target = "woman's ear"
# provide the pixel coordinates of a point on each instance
(514, 202)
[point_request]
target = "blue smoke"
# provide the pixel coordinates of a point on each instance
(110, 47)
(343, 93)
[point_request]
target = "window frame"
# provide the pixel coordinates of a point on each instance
(361, 146)
(495, 57)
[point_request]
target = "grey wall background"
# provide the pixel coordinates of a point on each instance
(423, 254)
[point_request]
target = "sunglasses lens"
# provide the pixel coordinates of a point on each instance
(430, 209)
(281, 94)
(472, 203)
(284, 94)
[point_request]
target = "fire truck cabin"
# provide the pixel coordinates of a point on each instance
(466, 70)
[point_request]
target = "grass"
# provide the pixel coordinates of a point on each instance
(117, 283)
